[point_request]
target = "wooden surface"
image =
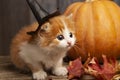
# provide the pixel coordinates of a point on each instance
(9, 72)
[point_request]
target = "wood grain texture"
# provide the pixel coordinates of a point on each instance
(9, 72)
(13, 15)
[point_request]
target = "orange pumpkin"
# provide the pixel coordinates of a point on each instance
(97, 25)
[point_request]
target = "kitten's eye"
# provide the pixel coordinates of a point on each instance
(71, 35)
(60, 37)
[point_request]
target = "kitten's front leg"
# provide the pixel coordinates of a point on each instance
(38, 72)
(59, 69)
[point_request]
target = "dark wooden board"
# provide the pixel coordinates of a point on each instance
(9, 72)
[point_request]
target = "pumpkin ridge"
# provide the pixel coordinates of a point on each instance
(114, 9)
(89, 31)
(109, 9)
(93, 31)
(101, 27)
(83, 27)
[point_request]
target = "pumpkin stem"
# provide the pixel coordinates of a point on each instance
(90, 0)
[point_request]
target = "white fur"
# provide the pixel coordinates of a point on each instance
(60, 71)
(40, 75)
(33, 55)
(66, 33)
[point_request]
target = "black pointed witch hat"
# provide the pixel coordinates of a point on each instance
(38, 11)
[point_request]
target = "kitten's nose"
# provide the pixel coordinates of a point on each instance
(69, 43)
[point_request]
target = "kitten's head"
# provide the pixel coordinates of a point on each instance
(54, 31)
(58, 32)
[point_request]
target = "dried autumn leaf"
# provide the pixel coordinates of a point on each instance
(109, 67)
(75, 68)
(104, 72)
(93, 67)
(116, 77)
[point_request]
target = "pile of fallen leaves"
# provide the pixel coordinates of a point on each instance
(106, 71)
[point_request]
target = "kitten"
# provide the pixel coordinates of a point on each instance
(46, 49)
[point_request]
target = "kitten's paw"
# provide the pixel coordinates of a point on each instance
(40, 75)
(60, 71)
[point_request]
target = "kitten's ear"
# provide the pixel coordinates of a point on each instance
(45, 27)
(70, 16)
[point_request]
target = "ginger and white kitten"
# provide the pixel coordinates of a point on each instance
(46, 49)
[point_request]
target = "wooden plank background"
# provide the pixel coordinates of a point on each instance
(15, 14)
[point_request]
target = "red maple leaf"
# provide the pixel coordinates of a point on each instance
(102, 72)
(75, 68)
